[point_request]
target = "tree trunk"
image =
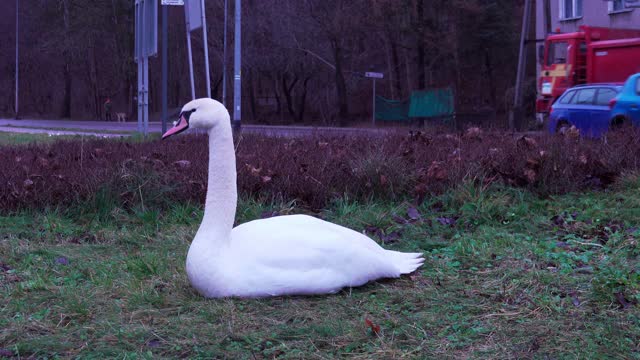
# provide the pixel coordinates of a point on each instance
(287, 89)
(420, 45)
(341, 87)
(252, 95)
(68, 77)
(303, 99)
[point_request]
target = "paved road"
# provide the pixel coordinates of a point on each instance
(97, 127)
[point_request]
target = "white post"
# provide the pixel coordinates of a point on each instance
(17, 63)
(145, 94)
(224, 57)
(193, 89)
(206, 49)
(373, 111)
(237, 88)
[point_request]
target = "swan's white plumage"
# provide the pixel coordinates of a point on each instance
(283, 255)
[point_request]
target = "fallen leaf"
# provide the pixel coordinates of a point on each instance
(557, 220)
(183, 163)
(6, 353)
(436, 171)
(621, 300)
(375, 329)
(153, 343)
(527, 141)
(574, 299)
(413, 213)
(383, 180)
(399, 219)
(391, 237)
(446, 220)
(265, 179)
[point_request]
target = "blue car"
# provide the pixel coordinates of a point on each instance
(587, 107)
(626, 106)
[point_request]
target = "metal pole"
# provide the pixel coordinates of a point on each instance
(206, 49)
(17, 63)
(224, 57)
(237, 85)
(373, 111)
(522, 61)
(193, 88)
(146, 96)
(140, 26)
(165, 72)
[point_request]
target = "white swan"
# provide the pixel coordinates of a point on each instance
(284, 255)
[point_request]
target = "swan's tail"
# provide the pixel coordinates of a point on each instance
(407, 263)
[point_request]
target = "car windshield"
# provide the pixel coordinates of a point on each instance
(638, 86)
(557, 52)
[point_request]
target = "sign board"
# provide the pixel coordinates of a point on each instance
(173, 2)
(193, 14)
(146, 19)
(374, 75)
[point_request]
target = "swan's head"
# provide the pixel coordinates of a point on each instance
(202, 113)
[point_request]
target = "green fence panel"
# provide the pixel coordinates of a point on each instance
(391, 110)
(432, 103)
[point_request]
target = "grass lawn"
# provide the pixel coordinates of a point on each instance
(507, 275)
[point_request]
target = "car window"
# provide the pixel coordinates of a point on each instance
(584, 97)
(566, 98)
(638, 86)
(605, 95)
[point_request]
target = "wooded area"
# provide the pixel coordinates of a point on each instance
(302, 62)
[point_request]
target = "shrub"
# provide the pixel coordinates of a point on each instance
(312, 170)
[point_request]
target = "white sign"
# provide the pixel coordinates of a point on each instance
(193, 14)
(374, 75)
(173, 2)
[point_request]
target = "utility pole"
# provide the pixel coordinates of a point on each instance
(224, 57)
(165, 38)
(516, 111)
(17, 63)
(237, 85)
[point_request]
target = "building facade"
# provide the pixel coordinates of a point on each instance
(569, 15)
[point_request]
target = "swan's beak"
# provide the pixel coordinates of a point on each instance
(179, 127)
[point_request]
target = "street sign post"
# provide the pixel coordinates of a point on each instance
(194, 15)
(374, 76)
(146, 44)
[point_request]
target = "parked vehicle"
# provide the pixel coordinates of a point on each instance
(586, 107)
(591, 55)
(626, 106)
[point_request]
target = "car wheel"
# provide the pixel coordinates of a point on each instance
(620, 123)
(562, 127)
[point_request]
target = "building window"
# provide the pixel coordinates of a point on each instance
(618, 6)
(570, 9)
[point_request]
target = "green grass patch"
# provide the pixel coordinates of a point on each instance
(507, 275)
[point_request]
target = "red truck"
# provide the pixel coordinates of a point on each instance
(591, 55)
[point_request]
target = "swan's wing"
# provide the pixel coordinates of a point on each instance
(304, 255)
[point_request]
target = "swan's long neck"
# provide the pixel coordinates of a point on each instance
(222, 193)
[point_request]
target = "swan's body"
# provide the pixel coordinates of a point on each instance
(284, 255)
